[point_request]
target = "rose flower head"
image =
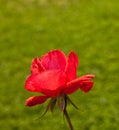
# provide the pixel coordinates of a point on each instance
(54, 76)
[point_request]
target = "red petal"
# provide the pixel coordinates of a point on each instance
(72, 86)
(35, 100)
(37, 66)
(54, 60)
(86, 86)
(83, 83)
(71, 66)
(29, 85)
(89, 76)
(48, 82)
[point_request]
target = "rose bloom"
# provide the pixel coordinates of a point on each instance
(54, 76)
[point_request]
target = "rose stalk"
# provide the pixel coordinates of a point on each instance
(54, 76)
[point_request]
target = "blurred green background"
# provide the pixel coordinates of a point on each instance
(30, 28)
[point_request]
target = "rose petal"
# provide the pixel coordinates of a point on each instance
(72, 86)
(54, 60)
(37, 66)
(86, 86)
(29, 85)
(35, 100)
(48, 82)
(71, 66)
(89, 76)
(82, 82)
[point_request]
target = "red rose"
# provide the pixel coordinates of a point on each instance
(54, 75)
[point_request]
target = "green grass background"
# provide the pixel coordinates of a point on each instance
(30, 28)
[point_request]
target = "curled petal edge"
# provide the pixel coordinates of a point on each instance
(86, 86)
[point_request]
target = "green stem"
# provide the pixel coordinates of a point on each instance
(68, 119)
